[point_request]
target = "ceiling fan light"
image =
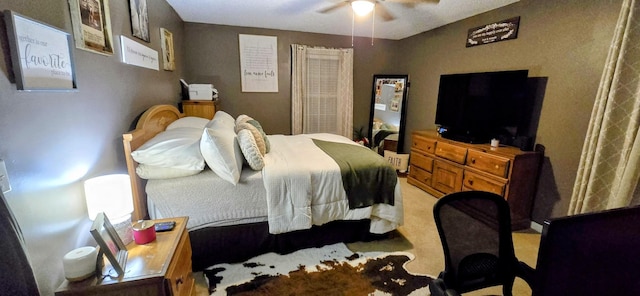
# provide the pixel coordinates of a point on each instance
(362, 7)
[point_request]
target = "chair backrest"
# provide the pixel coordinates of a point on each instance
(475, 230)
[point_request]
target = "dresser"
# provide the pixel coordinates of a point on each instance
(440, 166)
(161, 267)
(204, 109)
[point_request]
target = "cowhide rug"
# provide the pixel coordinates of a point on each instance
(330, 270)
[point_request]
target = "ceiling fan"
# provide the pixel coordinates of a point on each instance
(363, 7)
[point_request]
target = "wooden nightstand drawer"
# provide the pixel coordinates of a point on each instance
(454, 153)
(485, 162)
(422, 161)
(179, 275)
(423, 144)
(473, 181)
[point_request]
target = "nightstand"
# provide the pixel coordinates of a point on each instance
(161, 267)
(205, 109)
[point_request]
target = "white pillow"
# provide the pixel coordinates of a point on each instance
(250, 149)
(176, 148)
(189, 121)
(224, 118)
(153, 172)
(221, 151)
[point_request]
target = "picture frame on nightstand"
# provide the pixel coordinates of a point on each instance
(110, 243)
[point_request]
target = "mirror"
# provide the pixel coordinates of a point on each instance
(388, 112)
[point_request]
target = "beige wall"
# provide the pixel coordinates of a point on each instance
(564, 41)
(51, 142)
(212, 57)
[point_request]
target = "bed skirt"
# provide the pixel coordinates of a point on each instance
(237, 243)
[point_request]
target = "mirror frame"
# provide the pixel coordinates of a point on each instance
(403, 104)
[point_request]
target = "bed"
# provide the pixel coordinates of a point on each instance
(289, 203)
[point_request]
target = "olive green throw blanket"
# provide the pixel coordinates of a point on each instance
(367, 178)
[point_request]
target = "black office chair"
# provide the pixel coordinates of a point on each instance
(475, 230)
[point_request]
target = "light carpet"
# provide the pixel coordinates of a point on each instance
(330, 270)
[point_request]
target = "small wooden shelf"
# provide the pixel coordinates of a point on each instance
(204, 109)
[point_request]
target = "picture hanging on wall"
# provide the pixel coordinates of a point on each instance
(41, 55)
(139, 19)
(168, 56)
(494, 32)
(92, 25)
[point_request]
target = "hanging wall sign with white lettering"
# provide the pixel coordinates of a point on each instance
(495, 32)
(41, 56)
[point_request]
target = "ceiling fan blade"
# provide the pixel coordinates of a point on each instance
(412, 3)
(384, 13)
(334, 7)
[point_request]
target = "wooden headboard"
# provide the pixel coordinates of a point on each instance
(153, 121)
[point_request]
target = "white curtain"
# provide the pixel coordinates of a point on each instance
(321, 90)
(610, 162)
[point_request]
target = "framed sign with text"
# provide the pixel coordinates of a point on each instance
(41, 55)
(495, 32)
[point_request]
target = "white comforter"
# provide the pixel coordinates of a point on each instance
(304, 188)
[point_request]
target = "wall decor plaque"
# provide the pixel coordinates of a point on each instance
(41, 55)
(495, 32)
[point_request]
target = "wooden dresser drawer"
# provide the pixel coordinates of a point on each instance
(422, 161)
(486, 162)
(423, 144)
(447, 178)
(454, 153)
(473, 181)
(420, 175)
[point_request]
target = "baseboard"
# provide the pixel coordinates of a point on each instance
(536, 226)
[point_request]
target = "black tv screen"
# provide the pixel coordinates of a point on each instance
(590, 254)
(476, 107)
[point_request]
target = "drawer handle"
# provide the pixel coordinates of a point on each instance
(179, 281)
(470, 182)
(473, 160)
(497, 166)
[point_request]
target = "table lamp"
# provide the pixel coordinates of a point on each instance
(112, 195)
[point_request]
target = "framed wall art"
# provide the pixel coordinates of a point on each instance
(139, 19)
(41, 55)
(92, 25)
(110, 243)
(168, 56)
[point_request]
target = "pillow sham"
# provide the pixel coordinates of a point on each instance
(250, 150)
(150, 172)
(221, 151)
(188, 121)
(176, 148)
(256, 135)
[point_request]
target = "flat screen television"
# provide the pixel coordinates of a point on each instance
(476, 107)
(590, 254)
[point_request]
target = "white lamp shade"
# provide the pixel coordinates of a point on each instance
(110, 194)
(362, 7)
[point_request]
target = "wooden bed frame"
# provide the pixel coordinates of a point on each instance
(238, 242)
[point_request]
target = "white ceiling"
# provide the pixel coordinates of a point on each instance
(304, 15)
